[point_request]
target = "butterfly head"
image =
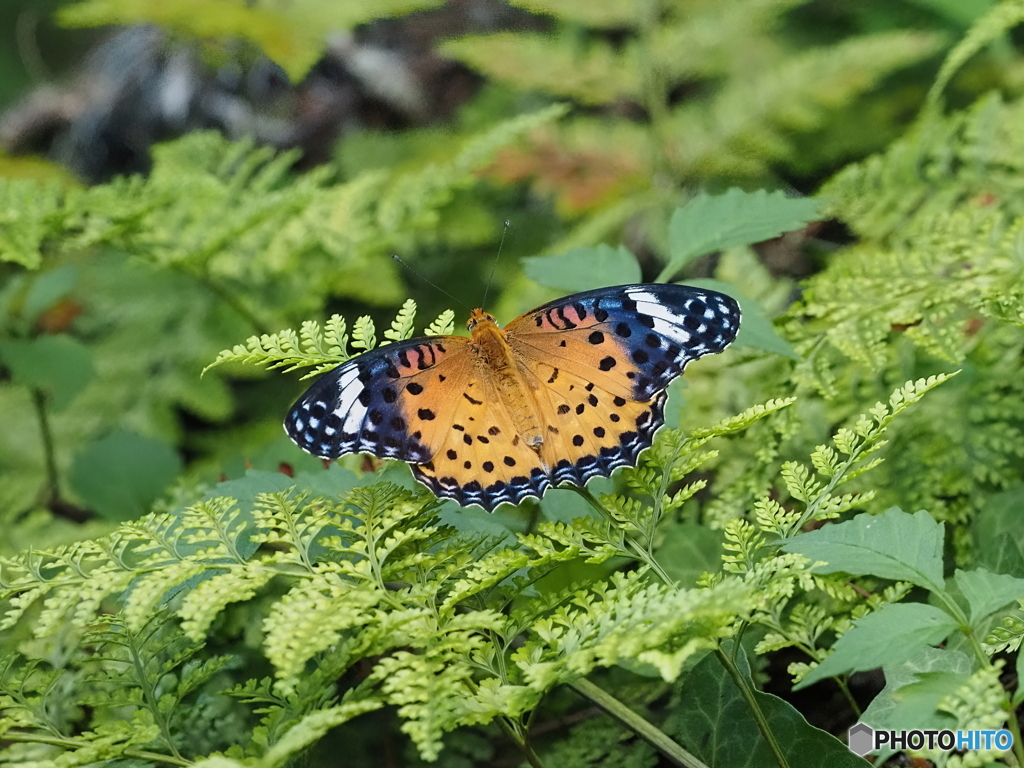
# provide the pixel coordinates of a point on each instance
(478, 316)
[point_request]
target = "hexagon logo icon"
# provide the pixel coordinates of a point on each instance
(861, 739)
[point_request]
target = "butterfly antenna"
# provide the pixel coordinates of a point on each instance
(494, 265)
(397, 258)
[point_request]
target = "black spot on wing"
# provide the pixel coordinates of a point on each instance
(631, 442)
(658, 328)
(355, 407)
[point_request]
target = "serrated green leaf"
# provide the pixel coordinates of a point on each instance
(583, 269)
(913, 689)
(715, 222)
(996, 528)
(893, 545)
(891, 635)
(987, 592)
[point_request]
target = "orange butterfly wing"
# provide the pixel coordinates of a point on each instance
(605, 358)
(395, 402)
(593, 369)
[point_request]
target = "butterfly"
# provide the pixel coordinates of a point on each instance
(566, 392)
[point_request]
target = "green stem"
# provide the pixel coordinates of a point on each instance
(845, 689)
(52, 489)
(1011, 721)
(521, 741)
(671, 751)
(149, 694)
(747, 691)
(638, 552)
(655, 97)
(141, 754)
(227, 297)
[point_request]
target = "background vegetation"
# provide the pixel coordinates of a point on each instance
(182, 586)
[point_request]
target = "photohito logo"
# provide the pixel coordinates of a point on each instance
(863, 738)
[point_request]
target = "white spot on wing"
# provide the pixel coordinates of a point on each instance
(349, 409)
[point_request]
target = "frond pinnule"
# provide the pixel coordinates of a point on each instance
(444, 325)
(402, 326)
(364, 335)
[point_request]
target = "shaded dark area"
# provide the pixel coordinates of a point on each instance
(140, 86)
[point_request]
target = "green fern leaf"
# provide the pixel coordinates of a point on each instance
(402, 326)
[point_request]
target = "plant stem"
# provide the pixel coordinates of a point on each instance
(669, 749)
(149, 693)
(52, 489)
(638, 551)
(747, 691)
(227, 297)
(655, 97)
(141, 754)
(521, 741)
(849, 696)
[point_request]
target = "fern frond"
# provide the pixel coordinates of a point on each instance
(815, 487)
(796, 95)
(321, 349)
(990, 26)
(402, 326)
(595, 73)
(30, 213)
(364, 335)
(628, 617)
(444, 325)
(284, 350)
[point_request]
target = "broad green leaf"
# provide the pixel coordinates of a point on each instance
(890, 635)
(987, 592)
(688, 550)
(713, 720)
(712, 223)
(996, 530)
(892, 545)
(914, 687)
(58, 365)
(583, 269)
(120, 475)
(756, 328)
(913, 691)
(563, 505)
(47, 289)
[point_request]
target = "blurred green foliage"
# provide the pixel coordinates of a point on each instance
(600, 140)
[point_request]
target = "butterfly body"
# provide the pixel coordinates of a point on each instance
(513, 384)
(569, 391)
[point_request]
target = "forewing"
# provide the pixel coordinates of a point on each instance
(395, 402)
(631, 340)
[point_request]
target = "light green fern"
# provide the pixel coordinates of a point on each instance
(324, 348)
